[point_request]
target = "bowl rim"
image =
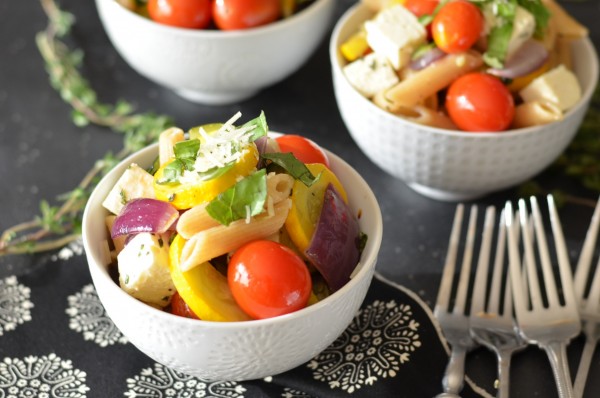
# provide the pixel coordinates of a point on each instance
(336, 57)
(217, 34)
(364, 267)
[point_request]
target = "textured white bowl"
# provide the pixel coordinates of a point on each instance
(234, 350)
(216, 67)
(453, 165)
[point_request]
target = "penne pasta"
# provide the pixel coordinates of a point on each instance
(196, 219)
(432, 102)
(166, 142)
(428, 81)
(550, 35)
(216, 241)
(422, 115)
(563, 52)
(565, 24)
(535, 113)
(279, 186)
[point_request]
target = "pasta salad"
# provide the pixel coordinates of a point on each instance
(231, 224)
(471, 65)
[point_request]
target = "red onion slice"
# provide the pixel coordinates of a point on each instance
(426, 59)
(144, 215)
(529, 57)
(334, 248)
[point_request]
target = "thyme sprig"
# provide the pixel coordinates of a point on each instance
(56, 226)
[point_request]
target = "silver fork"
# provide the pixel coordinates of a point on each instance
(589, 305)
(551, 327)
(494, 326)
(454, 321)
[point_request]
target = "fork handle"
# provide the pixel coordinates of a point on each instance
(504, 359)
(452, 382)
(584, 366)
(557, 354)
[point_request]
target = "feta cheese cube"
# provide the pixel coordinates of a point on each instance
(134, 183)
(144, 269)
(371, 74)
(394, 33)
(558, 85)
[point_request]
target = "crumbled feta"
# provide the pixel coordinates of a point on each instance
(134, 183)
(558, 85)
(394, 33)
(144, 269)
(371, 74)
(219, 148)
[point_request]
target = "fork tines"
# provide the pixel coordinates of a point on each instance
(553, 322)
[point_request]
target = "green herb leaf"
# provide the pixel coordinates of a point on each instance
(187, 149)
(498, 40)
(247, 196)
(215, 172)
(260, 126)
(172, 172)
(292, 165)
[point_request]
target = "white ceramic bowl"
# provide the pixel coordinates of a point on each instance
(234, 350)
(453, 165)
(216, 67)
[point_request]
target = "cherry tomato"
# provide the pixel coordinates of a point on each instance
(480, 102)
(268, 279)
(192, 14)
(304, 149)
(457, 26)
(180, 307)
(244, 14)
(421, 7)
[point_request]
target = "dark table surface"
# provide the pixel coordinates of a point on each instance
(43, 154)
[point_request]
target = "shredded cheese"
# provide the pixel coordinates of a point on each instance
(219, 148)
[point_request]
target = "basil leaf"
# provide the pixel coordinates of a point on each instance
(155, 166)
(214, 172)
(260, 126)
(292, 165)
(187, 149)
(506, 9)
(498, 45)
(246, 196)
(172, 172)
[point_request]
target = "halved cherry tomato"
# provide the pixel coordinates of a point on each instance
(268, 279)
(457, 26)
(180, 307)
(304, 149)
(192, 14)
(421, 7)
(307, 203)
(244, 14)
(480, 102)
